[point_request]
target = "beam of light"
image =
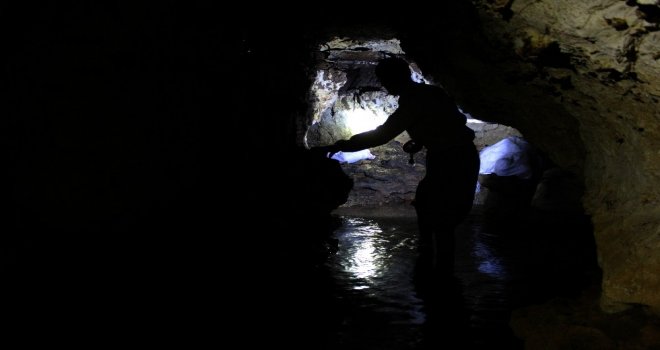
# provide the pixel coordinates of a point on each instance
(360, 120)
(352, 157)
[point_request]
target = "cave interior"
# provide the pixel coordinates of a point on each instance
(159, 156)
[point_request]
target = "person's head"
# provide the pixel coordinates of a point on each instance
(394, 74)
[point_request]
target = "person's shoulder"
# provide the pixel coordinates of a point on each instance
(430, 92)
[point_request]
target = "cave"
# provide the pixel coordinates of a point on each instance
(346, 98)
(160, 172)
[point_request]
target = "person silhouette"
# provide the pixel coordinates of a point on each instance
(444, 197)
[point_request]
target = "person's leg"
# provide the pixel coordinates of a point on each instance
(425, 246)
(442, 201)
(436, 228)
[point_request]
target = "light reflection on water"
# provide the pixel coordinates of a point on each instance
(488, 263)
(377, 261)
(363, 259)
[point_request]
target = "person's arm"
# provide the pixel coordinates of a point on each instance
(393, 126)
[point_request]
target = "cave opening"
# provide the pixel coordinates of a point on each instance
(346, 98)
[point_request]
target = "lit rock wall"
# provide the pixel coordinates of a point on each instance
(581, 80)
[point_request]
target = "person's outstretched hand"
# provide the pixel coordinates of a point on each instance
(324, 151)
(328, 151)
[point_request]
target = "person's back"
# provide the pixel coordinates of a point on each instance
(437, 124)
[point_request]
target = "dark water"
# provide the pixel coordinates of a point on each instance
(361, 289)
(380, 303)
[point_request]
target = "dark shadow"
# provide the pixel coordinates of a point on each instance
(447, 317)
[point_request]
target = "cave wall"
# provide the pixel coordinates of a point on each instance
(613, 51)
(579, 80)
